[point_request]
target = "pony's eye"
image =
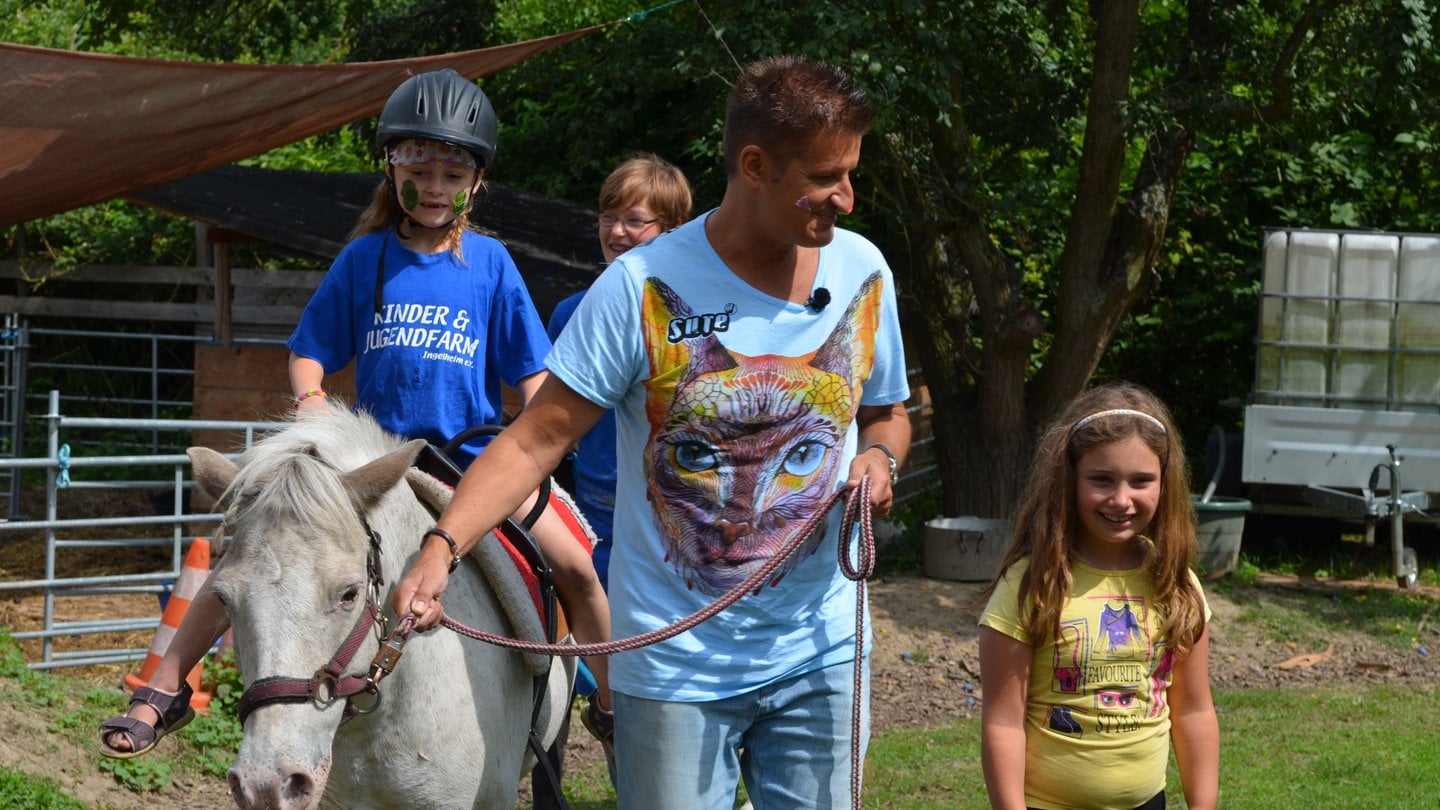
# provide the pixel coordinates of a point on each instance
(351, 594)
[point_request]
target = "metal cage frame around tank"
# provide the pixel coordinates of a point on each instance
(1347, 379)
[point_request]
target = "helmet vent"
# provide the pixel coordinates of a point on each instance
(440, 106)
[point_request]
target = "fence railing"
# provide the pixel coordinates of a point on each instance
(64, 471)
(67, 471)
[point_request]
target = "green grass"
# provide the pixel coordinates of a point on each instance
(1308, 617)
(1368, 747)
(1371, 747)
(21, 791)
(1343, 746)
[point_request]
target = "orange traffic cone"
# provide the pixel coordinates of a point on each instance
(192, 576)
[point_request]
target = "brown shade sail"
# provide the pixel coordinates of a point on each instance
(81, 128)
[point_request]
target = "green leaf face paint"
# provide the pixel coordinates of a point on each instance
(461, 198)
(409, 195)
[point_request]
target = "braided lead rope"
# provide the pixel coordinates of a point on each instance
(866, 557)
(857, 509)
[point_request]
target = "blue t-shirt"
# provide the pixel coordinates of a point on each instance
(430, 363)
(593, 463)
(735, 420)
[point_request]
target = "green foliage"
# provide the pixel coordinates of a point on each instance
(54, 24)
(205, 747)
(984, 115)
(222, 677)
(906, 554)
(12, 660)
(216, 739)
(35, 688)
(346, 150)
(21, 791)
(299, 31)
(217, 735)
(115, 232)
(147, 774)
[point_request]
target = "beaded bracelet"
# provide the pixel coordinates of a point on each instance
(444, 535)
(314, 392)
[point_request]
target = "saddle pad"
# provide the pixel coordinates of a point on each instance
(512, 578)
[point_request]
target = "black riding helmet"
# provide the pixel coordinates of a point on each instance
(440, 106)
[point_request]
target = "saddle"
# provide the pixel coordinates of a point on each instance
(513, 565)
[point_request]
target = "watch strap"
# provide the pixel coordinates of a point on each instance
(894, 464)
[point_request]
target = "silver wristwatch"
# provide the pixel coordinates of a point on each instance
(894, 465)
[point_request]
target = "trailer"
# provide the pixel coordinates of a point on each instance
(1344, 416)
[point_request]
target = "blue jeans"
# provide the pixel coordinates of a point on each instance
(790, 741)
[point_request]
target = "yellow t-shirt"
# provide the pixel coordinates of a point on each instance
(1097, 721)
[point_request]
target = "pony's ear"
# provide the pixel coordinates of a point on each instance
(371, 482)
(212, 472)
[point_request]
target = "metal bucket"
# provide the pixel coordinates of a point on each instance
(965, 549)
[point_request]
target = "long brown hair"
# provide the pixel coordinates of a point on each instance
(1047, 526)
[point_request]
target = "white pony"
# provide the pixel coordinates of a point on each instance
(298, 577)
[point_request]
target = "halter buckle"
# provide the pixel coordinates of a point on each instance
(325, 689)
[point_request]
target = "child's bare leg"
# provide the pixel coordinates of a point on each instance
(205, 621)
(578, 586)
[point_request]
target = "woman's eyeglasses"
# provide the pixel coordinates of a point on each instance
(631, 224)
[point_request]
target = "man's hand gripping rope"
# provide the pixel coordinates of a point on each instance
(857, 503)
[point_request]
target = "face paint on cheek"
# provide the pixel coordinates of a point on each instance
(803, 203)
(461, 198)
(409, 195)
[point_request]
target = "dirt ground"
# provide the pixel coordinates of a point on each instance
(925, 671)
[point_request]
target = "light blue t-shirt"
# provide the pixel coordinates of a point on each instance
(429, 364)
(593, 463)
(735, 422)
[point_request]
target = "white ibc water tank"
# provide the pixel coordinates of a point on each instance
(1272, 314)
(1310, 269)
(1365, 311)
(1417, 324)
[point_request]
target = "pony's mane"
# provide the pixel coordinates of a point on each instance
(296, 471)
(346, 439)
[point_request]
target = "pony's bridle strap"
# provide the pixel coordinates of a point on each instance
(330, 683)
(327, 685)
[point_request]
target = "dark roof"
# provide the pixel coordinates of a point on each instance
(309, 214)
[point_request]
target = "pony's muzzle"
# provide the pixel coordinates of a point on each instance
(283, 788)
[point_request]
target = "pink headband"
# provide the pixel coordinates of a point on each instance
(415, 150)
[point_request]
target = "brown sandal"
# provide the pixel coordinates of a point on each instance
(174, 711)
(601, 725)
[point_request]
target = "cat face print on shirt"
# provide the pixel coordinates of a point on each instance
(744, 449)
